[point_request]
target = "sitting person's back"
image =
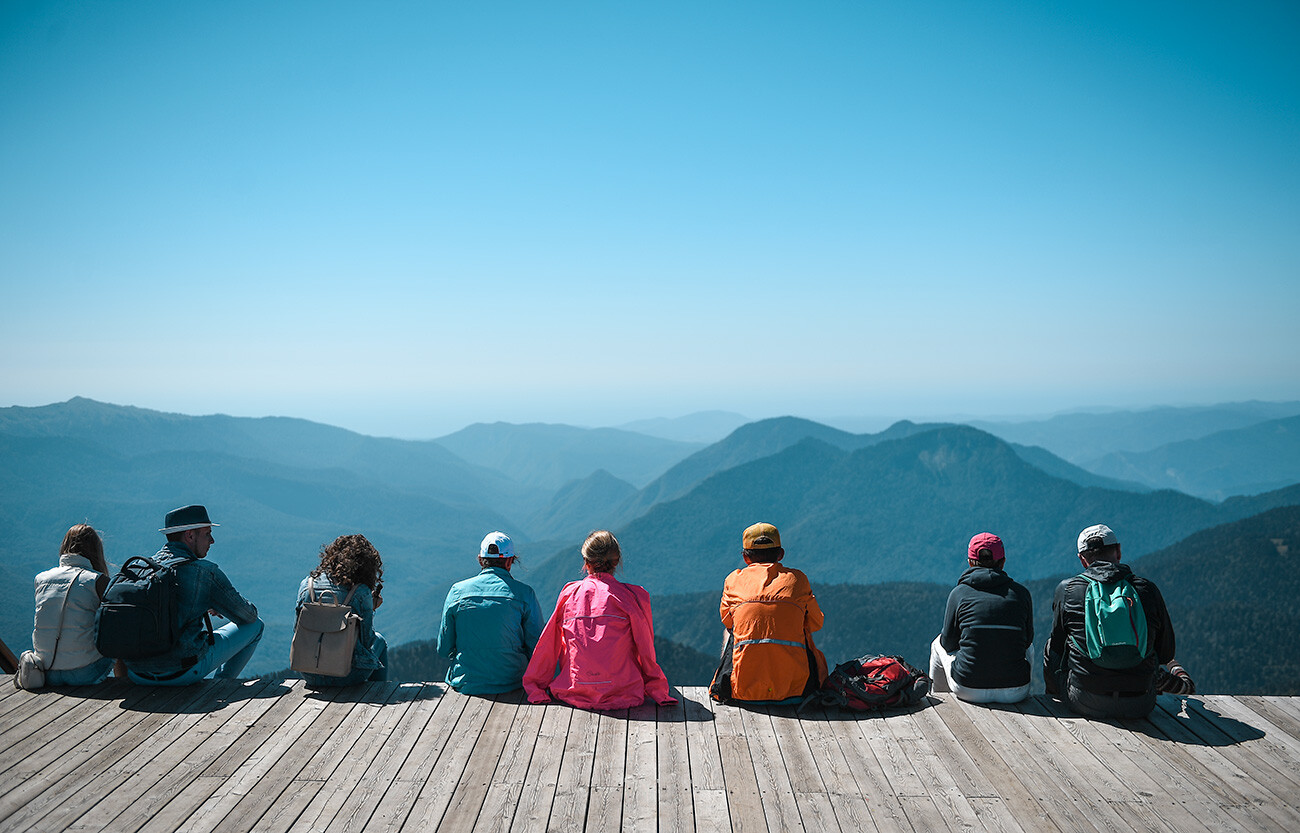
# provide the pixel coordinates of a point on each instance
(351, 571)
(601, 639)
(770, 613)
(490, 624)
(67, 597)
(982, 653)
(1096, 686)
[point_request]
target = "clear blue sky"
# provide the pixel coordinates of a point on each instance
(403, 217)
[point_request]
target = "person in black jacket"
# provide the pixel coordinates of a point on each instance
(1091, 689)
(982, 654)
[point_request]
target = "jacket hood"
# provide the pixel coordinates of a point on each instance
(1108, 571)
(984, 578)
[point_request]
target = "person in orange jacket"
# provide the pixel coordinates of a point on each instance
(770, 613)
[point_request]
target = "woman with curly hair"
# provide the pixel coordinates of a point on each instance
(602, 637)
(351, 565)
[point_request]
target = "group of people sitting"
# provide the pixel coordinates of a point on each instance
(1110, 650)
(597, 649)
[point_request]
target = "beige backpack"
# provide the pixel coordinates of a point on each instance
(324, 635)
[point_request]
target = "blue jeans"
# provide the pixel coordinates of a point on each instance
(232, 647)
(358, 675)
(91, 674)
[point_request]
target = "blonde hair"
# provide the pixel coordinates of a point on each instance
(600, 552)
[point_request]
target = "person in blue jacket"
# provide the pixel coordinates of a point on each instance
(490, 624)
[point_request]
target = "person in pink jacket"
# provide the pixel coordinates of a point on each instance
(602, 638)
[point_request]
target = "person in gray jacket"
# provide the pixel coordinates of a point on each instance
(982, 654)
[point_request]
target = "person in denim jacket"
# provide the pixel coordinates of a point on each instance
(351, 561)
(204, 589)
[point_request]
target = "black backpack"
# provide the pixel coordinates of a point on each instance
(139, 615)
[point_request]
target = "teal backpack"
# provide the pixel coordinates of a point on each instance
(1114, 624)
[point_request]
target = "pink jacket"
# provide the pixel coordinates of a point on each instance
(602, 637)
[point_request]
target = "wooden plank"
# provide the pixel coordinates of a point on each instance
(44, 715)
(1226, 783)
(388, 756)
(398, 800)
(1240, 723)
(210, 771)
(774, 788)
(851, 732)
(810, 794)
(943, 806)
(675, 810)
(641, 788)
(440, 788)
(538, 792)
(180, 751)
(608, 772)
(1154, 782)
(1278, 790)
(1077, 771)
(745, 804)
(513, 771)
(942, 762)
(342, 761)
(708, 786)
(71, 785)
(569, 806)
(1034, 769)
(338, 742)
(242, 797)
(1273, 711)
(847, 803)
(988, 779)
(463, 811)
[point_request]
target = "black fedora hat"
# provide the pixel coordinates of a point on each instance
(187, 517)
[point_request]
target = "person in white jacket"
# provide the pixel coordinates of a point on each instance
(67, 597)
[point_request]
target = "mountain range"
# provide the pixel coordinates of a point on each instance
(896, 506)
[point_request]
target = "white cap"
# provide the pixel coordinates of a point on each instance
(1097, 532)
(505, 548)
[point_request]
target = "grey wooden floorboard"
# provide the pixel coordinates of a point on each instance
(847, 802)
(609, 772)
(708, 786)
(396, 802)
(569, 806)
(215, 762)
(988, 775)
(189, 744)
(1150, 776)
(1230, 786)
(440, 787)
(537, 794)
(66, 789)
(273, 757)
(516, 764)
(641, 792)
(471, 792)
(739, 772)
(676, 807)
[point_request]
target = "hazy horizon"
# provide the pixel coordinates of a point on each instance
(409, 217)
(854, 423)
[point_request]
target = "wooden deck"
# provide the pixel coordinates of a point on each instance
(388, 756)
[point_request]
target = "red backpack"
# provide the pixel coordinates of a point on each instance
(871, 682)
